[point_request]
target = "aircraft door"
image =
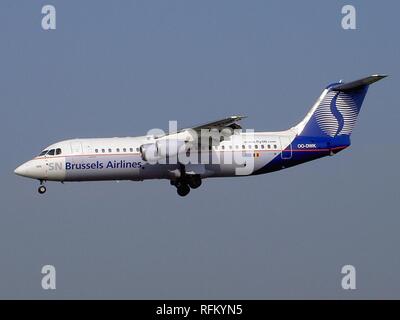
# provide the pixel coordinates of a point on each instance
(286, 147)
(76, 147)
(88, 149)
(46, 167)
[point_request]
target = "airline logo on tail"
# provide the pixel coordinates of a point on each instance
(337, 114)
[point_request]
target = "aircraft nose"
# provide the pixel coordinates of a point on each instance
(21, 170)
(30, 169)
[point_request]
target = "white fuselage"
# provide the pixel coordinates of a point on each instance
(120, 158)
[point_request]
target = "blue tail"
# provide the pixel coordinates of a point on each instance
(335, 112)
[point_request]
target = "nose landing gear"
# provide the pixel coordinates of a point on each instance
(42, 189)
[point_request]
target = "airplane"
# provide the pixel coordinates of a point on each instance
(185, 157)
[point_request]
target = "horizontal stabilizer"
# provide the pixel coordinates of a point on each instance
(354, 85)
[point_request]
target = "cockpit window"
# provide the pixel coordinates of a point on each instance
(58, 151)
(51, 152)
(43, 153)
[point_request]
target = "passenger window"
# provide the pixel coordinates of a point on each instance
(96, 150)
(102, 150)
(110, 150)
(130, 149)
(262, 146)
(256, 147)
(223, 147)
(243, 147)
(275, 146)
(58, 151)
(137, 149)
(117, 149)
(237, 147)
(124, 149)
(269, 146)
(249, 146)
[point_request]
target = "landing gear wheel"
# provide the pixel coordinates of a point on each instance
(42, 189)
(194, 182)
(183, 190)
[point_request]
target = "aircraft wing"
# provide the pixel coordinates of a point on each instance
(230, 122)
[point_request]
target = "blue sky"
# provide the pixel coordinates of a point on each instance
(120, 68)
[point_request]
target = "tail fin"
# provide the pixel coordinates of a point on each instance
(335, 112)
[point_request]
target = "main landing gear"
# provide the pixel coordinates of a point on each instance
(183, 189)
(42, 189)
(184, 184)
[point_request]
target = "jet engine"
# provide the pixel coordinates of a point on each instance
(161, 149)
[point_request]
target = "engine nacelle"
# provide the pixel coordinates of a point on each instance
(170, 147)
(161, 149)
(148, 152)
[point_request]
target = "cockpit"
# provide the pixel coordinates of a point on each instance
(50, 152)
